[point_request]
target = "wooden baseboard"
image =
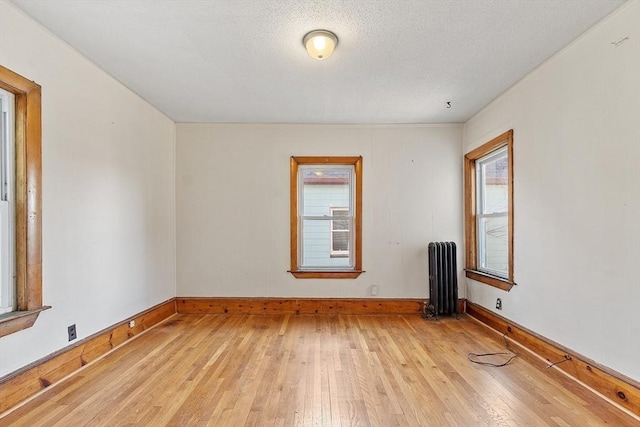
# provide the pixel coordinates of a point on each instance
(614, 386)
(196, 305)
(29, 380)
(188, 305)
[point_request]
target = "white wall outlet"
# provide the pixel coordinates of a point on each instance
(132, 323)
(374, 289)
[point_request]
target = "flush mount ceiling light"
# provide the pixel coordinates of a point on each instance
(320, 43)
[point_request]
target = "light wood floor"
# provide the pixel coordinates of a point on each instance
(221, 370)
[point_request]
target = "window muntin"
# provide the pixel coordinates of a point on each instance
(7, 202)
(323, 188)
(492, 213)
(488, 179)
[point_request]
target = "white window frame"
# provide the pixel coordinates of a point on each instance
(302, 217)
(332, 210)
(481, 214)
(7, 202)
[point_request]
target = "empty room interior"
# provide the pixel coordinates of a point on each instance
(332, 213)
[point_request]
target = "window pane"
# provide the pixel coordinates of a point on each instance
(495, 189)
(341, 241)
(493, 240)
(317, 241)
(341, 224)
(323, 187)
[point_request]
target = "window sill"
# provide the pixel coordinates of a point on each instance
(18, 320)
(488, 279)
(324, 274)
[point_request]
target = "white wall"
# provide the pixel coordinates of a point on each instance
(108, 194)
(576, 122)
(233, 206)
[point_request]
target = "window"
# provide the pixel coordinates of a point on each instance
(25, 304)
(7, 202)
(489, 212)
(492, 209)
(340, 232)
(326, 217)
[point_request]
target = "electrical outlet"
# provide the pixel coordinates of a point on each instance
(132, 324)
(72, 332)
(374, 289)
(499, 304)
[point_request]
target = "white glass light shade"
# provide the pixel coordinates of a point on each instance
(320, 43)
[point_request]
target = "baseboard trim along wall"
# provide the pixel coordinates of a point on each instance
(204, 305)
(29, 380)
(614, 386)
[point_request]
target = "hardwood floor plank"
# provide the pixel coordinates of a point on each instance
(288, 370)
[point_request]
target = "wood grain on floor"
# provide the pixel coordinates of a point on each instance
(297, 370)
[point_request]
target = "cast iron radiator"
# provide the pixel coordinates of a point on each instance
(443, 280)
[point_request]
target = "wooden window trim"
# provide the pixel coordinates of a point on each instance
(472, 272)
(357, 223)
(28, 182)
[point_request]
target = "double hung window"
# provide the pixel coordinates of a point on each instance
(489, 212)
(326, 217)
(492, 213)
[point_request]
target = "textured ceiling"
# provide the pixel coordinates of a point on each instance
(397, 61)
